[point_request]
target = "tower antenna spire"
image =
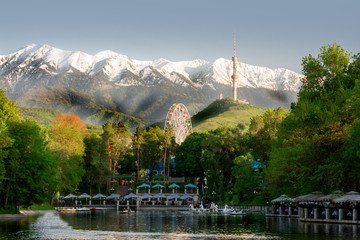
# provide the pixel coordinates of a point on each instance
(234, 70)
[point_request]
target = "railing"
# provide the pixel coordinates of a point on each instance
(177, 179)
(252, 209)
(168, 179)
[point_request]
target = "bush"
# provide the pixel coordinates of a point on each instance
(9, 209)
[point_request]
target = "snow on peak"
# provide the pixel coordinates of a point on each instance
(255, 76)
(108, 54)
(115, 67)
(159, 63)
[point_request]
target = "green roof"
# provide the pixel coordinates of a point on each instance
(127, 177)
(158, 177)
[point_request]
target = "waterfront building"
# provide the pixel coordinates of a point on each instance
(317, 207)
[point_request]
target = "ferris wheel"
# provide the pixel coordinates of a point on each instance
(179, 119)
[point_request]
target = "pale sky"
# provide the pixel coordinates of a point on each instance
(270, 33)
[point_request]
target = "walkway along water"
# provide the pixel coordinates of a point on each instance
(317, 207)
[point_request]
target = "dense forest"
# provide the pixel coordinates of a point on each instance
(314, 146)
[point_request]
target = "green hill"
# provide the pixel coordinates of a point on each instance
(224, 112)
(45, 116)
(42, 116)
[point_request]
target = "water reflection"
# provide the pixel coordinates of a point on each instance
(12, 228)
(161, 224)
(165, 221)
(291, 227)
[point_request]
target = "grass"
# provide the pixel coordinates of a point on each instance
(220, 113)
(9, 210)
(14, 210)
(224, 112)
(45, 117)
(35, 207)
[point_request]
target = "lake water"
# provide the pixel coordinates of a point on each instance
(168, 224)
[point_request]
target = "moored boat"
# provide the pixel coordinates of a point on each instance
(66, 210)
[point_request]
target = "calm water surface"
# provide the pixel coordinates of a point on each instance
(168, 224)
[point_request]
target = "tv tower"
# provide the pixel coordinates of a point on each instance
(234, 70)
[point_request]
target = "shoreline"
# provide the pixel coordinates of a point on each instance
(157, 207)
(23, 214)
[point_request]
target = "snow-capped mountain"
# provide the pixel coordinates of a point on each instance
(115, 67)
(37, 72)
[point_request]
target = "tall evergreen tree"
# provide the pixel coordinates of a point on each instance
(137, 141)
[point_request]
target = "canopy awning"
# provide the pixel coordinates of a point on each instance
(144, 185)
(331, 196)
(309, 198)
(282, 199)
(70, 196)
(350, 197)
(173, 196)
(130, 196)
(113, 196)
(186, 197)
(98, 196)
(84, 196)
(174, 185)
(158, 186)
(190, 186)
(146, 196)
(159, 195)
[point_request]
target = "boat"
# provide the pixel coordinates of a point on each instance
(66, 210)
(83, 209)
(128, 211)
(73, 210)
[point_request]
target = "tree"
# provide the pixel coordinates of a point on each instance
(97, 171)
(128, 164)
(152, 147)
(247, 181)
(115, 145)
(220, 148)
(168, 146)
(137, 141)
(315, 148)
(8, 109)
(67, 134)
(331, 62)
(116, 140)
(8, 113)
(188, 156)
(120, 144)
(31, 169)
(263, 131)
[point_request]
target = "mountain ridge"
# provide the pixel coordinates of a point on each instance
(47, 77)
(113, 66)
